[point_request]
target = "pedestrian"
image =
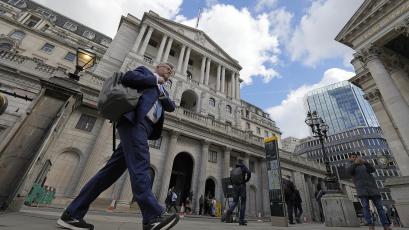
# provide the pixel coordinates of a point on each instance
(135, 128)
(290, 198)
(298, 206)
(239, 176)
(174, 198)
(188, 206)
(201, 204)
(213, 207)
(318, 195)
(366, 188)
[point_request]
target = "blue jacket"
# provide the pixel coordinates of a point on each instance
(145, 81)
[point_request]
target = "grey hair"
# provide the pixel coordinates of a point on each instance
(168, 64)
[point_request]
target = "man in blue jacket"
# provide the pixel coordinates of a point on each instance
(135, 128)
(239, 192)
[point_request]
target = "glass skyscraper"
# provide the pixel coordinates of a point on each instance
(342, 106)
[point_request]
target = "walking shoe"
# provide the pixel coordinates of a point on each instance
(68, 222)
(162, 222)
(243, 223)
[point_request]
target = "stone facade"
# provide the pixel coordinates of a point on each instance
(202, 140)
(378, 32)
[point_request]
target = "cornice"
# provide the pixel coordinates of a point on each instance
(373, 96)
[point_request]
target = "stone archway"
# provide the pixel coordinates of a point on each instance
(62, 171)
(181, 176)
(189, 100)
(210, 188)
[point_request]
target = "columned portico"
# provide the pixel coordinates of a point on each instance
(207, 71)
(167, 166)
(180, 61)
(161, 47)
(167, 51)
(202, 70)
(186, 62)
(223, 79)
(233, 85)
(139, 38)
(219, 69)
(238, 86)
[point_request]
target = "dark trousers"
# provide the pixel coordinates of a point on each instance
(298, 211)
(239, 194)
(290, 212)
(200, 209)
(172, 205)
(132, 154)
(379, 207)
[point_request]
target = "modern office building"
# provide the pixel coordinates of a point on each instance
(342, 106)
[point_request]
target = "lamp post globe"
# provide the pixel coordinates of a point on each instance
(85, 59)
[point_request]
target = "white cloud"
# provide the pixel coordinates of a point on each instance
(244, 37)
(265, 4)
(313, 39)
(104, 15)
(290, 114)
(281, 19)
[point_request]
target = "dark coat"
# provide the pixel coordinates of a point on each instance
(364, 182)
(145, 81)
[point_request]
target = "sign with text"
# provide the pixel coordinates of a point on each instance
(274, 177)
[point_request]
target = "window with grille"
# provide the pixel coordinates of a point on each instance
(212, 156)
(70, 57)
(18, 35)
(32, 21)
(212, 102)
(86, 122)
(47, 48)
(155, 143)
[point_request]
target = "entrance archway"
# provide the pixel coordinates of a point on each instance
(210, 188)
(181, 177)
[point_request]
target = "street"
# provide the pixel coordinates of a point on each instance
(45, 219)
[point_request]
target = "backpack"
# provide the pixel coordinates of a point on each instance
(236, 176)
(116, 99)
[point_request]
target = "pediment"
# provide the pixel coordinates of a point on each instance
(365, 13)
(197, 36)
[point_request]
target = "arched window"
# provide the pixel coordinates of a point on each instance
(228, 109)
(212, 102)
(18, 35)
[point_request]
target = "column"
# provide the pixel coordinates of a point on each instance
(237, 86)
(229, 87)
(202, 175)
(397, 107)
(207, 72)
(226, 162)
(219, 69)
(168, 46)
(233, 85)
(223, 79)
(180, 61)
(202, 70)
(161, 47)
(167, 166)
(400, 76)
(186, 63)
(145, 41)
(139, 38)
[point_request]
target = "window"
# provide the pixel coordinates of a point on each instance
(212, 156)
(212, 102)
(252, 167)
(18, 35)
(70, 26)
(228, 109)
(18, 3)
(88, 34)
(86, 122)
(247, 114)
(47, 48)
(265, 133)
(258, 130)
(32, 21)
(155, 143)
(69, 57)
(248, 125)
(153, 43)
(6, 46)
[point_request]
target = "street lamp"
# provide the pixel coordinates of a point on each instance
(85, 59)
(320, 129)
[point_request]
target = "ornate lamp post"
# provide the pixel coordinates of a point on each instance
(320, 129)
(85, 59)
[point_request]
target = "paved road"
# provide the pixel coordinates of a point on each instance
(44, 219)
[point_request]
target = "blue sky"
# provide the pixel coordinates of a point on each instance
(286, 47)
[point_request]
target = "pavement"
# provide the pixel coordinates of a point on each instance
(45, 219)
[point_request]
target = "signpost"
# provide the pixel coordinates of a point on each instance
(277, 207)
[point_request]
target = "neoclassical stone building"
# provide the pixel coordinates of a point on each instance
(379, 33)
(52, 134)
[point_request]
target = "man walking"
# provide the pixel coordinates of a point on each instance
(239, 177)
(290, 197)
(366, 188)
(135, 128)
(298, 206)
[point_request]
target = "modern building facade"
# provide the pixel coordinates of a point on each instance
(68, 141)
(342, 106)
(378, 33)
(290, 143)
(367, 142)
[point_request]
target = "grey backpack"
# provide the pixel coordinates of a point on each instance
(116, 99)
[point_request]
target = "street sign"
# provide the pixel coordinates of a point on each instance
(274, 177)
